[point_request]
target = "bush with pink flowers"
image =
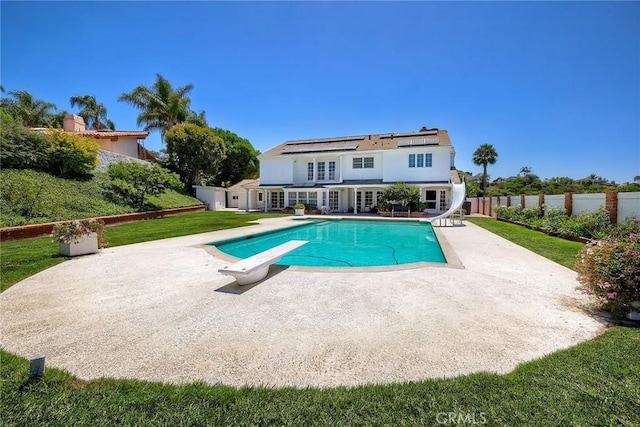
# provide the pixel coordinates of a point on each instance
(610, 270)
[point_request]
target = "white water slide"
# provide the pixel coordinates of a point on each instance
(458, 193)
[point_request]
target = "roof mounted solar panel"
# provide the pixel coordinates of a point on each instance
(318, 141)
(319, 147)
(418, 142)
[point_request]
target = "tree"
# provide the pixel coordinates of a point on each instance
(636, 179)
(28, 110)
(134, 182)
(193, 152)
(483, 156)
(402, 194)
(161, 106)
(198, 119)
(241, 160)
(93, 112)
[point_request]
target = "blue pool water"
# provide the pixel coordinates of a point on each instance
(346, 243)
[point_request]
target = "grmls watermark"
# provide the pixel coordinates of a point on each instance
(461, 418)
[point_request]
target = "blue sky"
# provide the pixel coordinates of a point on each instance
(553, 86)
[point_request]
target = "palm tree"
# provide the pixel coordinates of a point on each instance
(30, 111)
(93, 113)
(485, 155)
(525, 170)
(161, 106)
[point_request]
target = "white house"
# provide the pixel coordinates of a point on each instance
(352, 171)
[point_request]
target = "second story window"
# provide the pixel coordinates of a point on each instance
(363, 162)
(320, 171)
(332, 171)
(310, 171)
(422, 160)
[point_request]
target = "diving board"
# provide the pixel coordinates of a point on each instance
(256, 267)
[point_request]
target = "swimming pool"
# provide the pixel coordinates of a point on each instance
(346, 243)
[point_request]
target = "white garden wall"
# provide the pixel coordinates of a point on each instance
(628, 206)
(587, 203)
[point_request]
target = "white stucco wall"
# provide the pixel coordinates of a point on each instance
(552, 201)
(213, 197)
(530, 201)
(349, 173)
(587, 203)
(124, 145)
(628, 205)
(396, 165)
(276, 170)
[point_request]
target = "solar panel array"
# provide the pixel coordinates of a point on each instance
(418, 142)
(318, 147)
(318, 141)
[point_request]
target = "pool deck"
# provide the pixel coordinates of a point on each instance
(161, 311)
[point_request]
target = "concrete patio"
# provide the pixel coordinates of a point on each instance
(160, 311)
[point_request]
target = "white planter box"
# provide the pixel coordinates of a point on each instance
(86, 245)
(299, 212)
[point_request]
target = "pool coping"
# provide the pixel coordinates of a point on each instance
(452, 260)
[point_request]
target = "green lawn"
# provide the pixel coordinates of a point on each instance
(594, 383)
(554, 248)
(23, 258)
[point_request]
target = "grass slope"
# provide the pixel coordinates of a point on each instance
(559, 250)
(31, 197)
(595, 383)
(23, 258)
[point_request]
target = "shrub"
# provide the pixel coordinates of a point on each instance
(508, 212)
(587, 224)
(610, 270)
(70, 155)
(133, 182)
(531, 212)
(299, 206)
(72, 232)
(555, 213)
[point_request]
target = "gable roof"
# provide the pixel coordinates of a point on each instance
(386, 141)
(110, 134)
(241, 185)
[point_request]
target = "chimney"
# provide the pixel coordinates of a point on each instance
(424, 129)
(73, 123)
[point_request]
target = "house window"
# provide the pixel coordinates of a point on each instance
(234, 197)
(302, 197)
(310, 171)
(313, 200)
(368, 198)
(259, 197)
(293, 198)
(422, 160)
(443, 200)
(320, 171)
(332, 171)
(360, 162)
(359, 200)
(378, 197)
(368, 162)
(277, 199)
(333, 201)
